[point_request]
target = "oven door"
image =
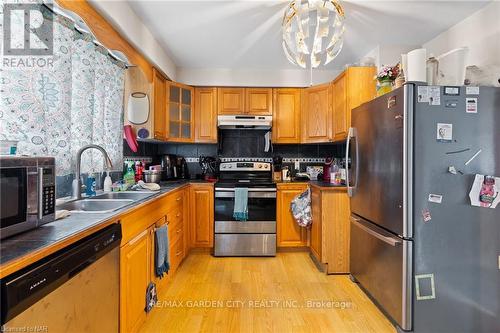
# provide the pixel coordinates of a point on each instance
(261, 205)
(14, 203)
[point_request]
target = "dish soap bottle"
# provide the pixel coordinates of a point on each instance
(129, 176)
(90, 190)
(107, 183)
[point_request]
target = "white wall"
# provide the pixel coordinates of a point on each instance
(480, 32)
(389, 54)
(124, 19)
(253, 78)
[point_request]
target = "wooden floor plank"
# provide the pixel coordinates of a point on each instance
(274, 294)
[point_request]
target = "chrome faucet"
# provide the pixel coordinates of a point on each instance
(77, 182)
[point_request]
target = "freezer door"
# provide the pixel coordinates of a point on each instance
(381, 263)
(375, 147)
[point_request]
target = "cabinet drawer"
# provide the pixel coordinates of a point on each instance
(174, 201)
(176, 253)
(175, 232)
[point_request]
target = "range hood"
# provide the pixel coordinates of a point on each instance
(244, 122)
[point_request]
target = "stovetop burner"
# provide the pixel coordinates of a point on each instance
(245, 174)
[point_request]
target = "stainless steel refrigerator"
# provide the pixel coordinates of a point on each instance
(428, 259)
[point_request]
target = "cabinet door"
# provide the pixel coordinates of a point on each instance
(338, 234)
(205, 107)
(289, 233)
(317, 114)
(159, 106)
(286, 115)
(180, 112)
(202, 215)
(259, 101)
(231, 101)
(135, 275)
(316, 227)
(340, 118)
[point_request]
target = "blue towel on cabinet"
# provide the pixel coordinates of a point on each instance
(162, 257)
(240, 212)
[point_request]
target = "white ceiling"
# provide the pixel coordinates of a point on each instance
(246, 35)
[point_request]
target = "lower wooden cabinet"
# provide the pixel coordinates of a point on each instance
(137, 253)
(330, 230)
(201, 198)
(317, 224)
(135, 275)
(289, 233)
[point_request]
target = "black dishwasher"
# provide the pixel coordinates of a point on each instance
(22, 289)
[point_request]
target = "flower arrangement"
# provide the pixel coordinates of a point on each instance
(388, 73)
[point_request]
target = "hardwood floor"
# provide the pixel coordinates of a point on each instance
(281, 294)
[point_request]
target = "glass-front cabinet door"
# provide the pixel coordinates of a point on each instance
(180, 112)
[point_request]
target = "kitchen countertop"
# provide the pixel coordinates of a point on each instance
(19, 251)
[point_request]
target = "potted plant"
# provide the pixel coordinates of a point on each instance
(385, 78)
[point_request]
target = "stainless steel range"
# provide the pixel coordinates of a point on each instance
(257, 236)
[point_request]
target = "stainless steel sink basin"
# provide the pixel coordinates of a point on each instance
(124, 195)
(95, 205)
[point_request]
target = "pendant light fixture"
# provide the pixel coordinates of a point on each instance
(313, 32)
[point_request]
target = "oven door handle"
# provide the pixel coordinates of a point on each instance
(260, 194)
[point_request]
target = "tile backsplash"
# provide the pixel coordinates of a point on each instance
(239, 144)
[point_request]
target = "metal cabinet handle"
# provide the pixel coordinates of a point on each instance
(178, 253)
(178, 199)
(389, 240)
(178, 214)
(179, 230)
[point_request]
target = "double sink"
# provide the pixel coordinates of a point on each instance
(104, 203)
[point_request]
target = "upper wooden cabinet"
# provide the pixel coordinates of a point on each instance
(180, 112)
(355, 86)
(286, 115)
(159, 105)
(316, 114)
(259, 101)
(231, 101)
(288, 232)
(205, 110)
(253, 101)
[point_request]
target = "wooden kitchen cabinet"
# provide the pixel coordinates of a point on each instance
(180, 118)
(201, 200)
(230, 101)
(316, 243)
(159, 105)
(205, 109)
(286, 115)
(353, 87)
(289, 233)
(259, 101)
(137, 252)
(135, 275)
(316, 115)
(330, 230)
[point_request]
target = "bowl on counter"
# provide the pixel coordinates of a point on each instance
(152, 176)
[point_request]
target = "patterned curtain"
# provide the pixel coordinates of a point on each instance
(54, 111)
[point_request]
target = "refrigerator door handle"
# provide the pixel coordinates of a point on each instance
(389, 240)
(351, 134)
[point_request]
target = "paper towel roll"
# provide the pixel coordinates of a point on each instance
(404, 64)
(416, 71)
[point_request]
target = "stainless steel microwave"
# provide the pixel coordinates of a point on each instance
(27, 193)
